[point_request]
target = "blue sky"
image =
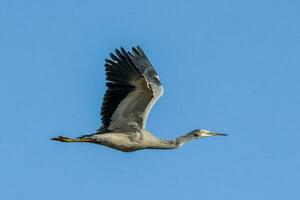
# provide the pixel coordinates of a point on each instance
(228, 66)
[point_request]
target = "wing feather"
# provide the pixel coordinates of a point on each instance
(132, 89)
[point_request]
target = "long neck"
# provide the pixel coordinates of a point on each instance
(173, 144)
(184, 139)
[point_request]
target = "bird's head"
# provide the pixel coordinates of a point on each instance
(201, 133)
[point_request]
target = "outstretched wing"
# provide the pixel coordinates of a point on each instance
(133, 87)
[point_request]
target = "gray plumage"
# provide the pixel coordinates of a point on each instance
(133, 87)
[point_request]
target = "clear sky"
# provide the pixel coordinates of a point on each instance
(230, 66)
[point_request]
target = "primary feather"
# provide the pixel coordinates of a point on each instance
(133, 87)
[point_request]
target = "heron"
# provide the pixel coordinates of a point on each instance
(133, 87)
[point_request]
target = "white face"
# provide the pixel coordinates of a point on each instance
(205, 133)
(199, 133)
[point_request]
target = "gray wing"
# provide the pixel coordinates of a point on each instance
(133, 87)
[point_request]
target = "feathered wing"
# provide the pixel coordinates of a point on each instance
(133, 87)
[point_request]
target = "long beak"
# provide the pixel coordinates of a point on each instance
(218, 134)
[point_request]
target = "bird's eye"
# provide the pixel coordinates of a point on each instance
(196, 134)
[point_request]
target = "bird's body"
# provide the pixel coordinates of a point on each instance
(133, 87)
(132, 141)
(138, 140)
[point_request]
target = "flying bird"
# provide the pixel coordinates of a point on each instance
(133, 87)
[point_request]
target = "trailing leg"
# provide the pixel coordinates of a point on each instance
(66, 139)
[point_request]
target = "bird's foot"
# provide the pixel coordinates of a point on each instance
(63, 139)
(66, 139)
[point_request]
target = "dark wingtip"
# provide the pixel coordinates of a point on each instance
(130, 54)
(118, 53)
(139, 48)
(135, 51)
(123, 50)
